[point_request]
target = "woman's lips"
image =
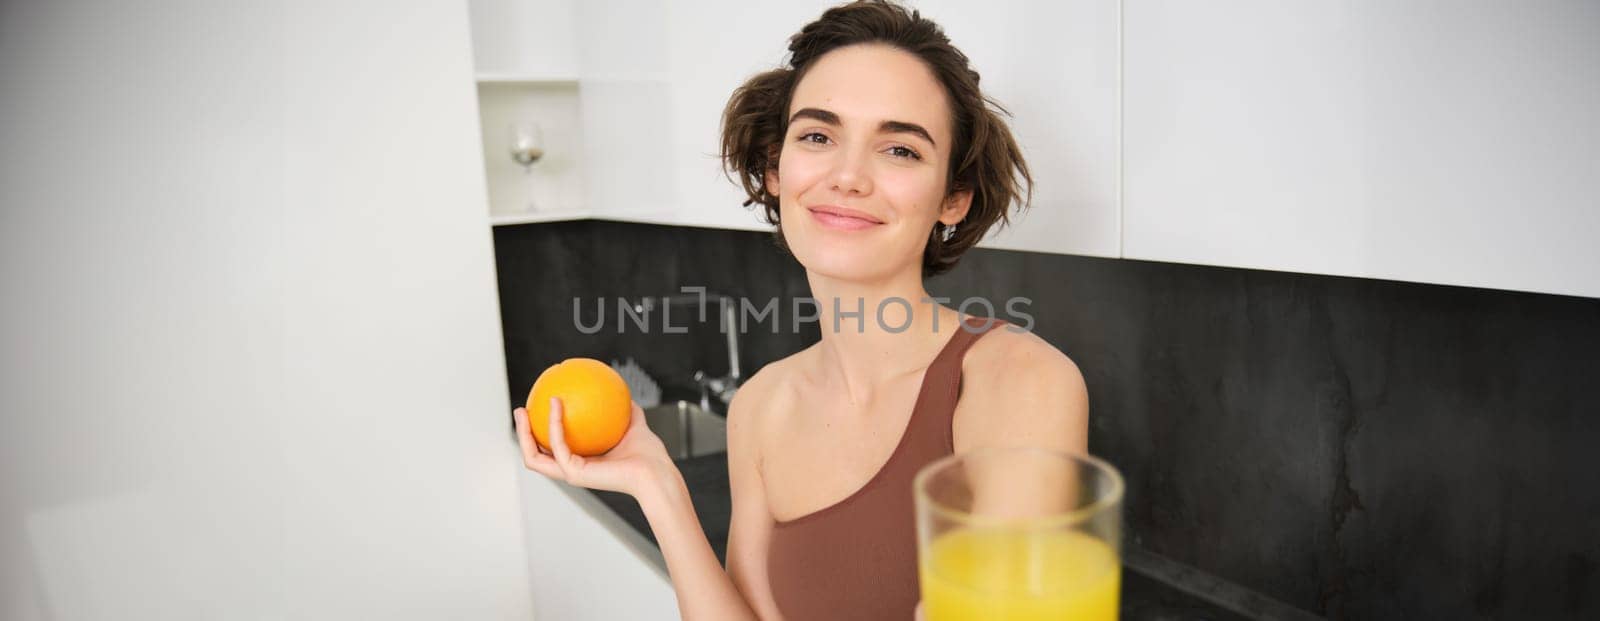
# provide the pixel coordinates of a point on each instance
(842, 219)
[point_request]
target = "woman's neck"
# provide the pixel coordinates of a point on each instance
(862, 349)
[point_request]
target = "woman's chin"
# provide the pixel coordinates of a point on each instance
(845, 265)
(850, 256)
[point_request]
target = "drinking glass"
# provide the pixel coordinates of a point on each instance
(527, 147)
(527, 144)
(1014, 534)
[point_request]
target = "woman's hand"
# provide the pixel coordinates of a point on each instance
(640, 467)
(638, 460)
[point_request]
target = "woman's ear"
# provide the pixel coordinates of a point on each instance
(955, 207)
(771, 175)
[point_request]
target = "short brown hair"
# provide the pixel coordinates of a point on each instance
(984, 159)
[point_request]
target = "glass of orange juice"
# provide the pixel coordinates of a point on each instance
(1019, 533)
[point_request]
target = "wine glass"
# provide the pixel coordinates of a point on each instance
(527, 147)
(527, 144)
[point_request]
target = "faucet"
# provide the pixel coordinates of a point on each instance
(723, 388)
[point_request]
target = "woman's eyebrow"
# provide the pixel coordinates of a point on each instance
(890, 127)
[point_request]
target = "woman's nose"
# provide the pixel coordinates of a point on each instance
(850, 174)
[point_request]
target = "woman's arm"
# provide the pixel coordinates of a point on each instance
(640, 467)
(704, 590)
(1019, 390)
(742, 591)
(750, 530)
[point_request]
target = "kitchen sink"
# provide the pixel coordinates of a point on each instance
(687, 430)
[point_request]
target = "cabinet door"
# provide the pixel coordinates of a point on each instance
(714, 46)
(625, 107)
(1053, 65)
(1438, 142)
(524, 38)
(654, 79)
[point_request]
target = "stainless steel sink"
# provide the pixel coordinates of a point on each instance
(687, 430)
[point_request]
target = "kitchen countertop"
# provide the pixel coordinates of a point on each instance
(1154, 588)
(707, 479)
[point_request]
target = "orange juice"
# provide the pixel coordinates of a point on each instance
(1016, 575)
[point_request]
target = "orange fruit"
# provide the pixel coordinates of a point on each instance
(596, 405)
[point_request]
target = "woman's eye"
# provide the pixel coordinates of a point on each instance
(896, 151)
(905, 152)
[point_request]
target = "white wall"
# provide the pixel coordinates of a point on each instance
(252, 368)
(1443, 142)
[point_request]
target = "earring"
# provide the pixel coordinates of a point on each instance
(950, 232)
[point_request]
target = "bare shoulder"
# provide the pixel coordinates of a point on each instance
(763, 396)
(1017, 388)
(1009, 355)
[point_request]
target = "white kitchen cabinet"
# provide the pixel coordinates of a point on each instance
(585, 562)
(623, 83)
(525, 62)
(1053, 65)
(656, 76)
(1450, 143)
(1446, 143)
(712, 48)
(524, 39)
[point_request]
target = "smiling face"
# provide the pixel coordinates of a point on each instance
(861, 175)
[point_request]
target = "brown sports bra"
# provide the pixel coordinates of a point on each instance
(857, 558)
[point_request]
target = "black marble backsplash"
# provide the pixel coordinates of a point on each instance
(1357, 448)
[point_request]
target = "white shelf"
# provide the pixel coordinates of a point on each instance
(651, 216)
(553, 215)
(570, 80)
(562, 215)
(529, 79)
(655, 77)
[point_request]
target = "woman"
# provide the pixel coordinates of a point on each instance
(881, 162)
